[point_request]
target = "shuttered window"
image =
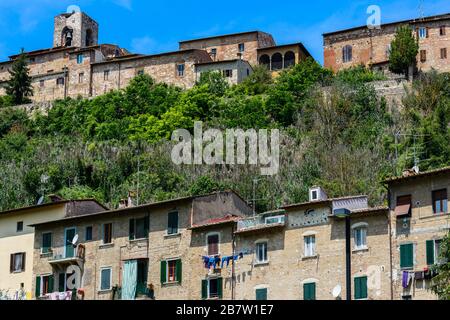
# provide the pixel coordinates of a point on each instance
(440, 201)
(212, 288)
(309, 291)
(105, 279)
(139, 228)
(17, 262)
(213, 244)
(261, 294)
(406, 255)
(171, 271)
(361, 288)
(46, 242)
(172, 223)
(107, 233)
(88, 233)
(430, 252)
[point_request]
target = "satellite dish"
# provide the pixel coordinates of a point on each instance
(75, 240)
(337, 291)
(41, 200)
(73, 9)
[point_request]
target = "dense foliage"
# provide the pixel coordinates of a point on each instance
(441, 282)
(335, 132)
(18, 87)
(404, 50)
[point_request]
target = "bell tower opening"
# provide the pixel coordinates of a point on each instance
(75, 29)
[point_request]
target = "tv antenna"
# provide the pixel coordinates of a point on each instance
(421, 10)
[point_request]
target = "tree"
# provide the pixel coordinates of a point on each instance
(215, 81)
(19, 86)
(441, 282)
(404, 50)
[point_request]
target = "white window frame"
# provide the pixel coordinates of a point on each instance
(167, 271)
(41, 284)
(309, 251)
(22, 254)
(280, 219)
(363, 231)
(266, 244)
(422, 32)
(209, 287)
(218, 244)
(103, 234)
(110, 279)
(42, 242)
(183, 71)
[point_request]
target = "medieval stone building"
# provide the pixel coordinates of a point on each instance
(371, 47)
(78, 66)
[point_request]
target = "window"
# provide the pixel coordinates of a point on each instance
(180, 70)
(423, 55)
(433, 252)
(140, 72)
(88, 235)
(60, 81)
(423, 32)
(274, 220)
(107, 233)
(264, 60)
(19, 227)
(442, 31)
(361, 288)
(17, 263)
(277, 61)
(261, 252)
(171, 271)
(444, 53)
(440, 201)
(261, 294)
(212, 288)
(44, 285)
(309, 291)
(80, 58)
(310, 246)
(81, 77)
(105, 279)
(228, 73)
(289, 59)
(42, 83)
(213, 51)
(106, 75)
(360, 238)
(139, 228)
(314, 195)
(172, 223)
(403, 207)
(241, 47)
(347, 53)
(46, 243)
(213, 244)
(406, 256)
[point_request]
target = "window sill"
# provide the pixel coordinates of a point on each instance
(106, 246)
(360, 250)
(310, 257)
(138, 240)
(171, 284)
(407, 269)
(170, 236)
(261, 264)
(46, 255)
(435, 215)
(17, 272)
(104, 291)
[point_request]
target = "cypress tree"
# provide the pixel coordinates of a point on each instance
(19, 86)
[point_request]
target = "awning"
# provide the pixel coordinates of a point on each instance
(402, 210)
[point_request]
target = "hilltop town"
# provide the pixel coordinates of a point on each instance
(93, 208)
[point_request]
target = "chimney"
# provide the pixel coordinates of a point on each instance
(317, 194)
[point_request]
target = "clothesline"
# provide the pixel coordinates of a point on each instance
(215, 261)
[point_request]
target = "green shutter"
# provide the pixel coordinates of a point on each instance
(172, 227)
(261, 294)
(309, 291)
(219, 288)
(51, 284)
(360, 288)
(131, 230)
(430, 252)
(61, 287)
(37, 291)
(204, 289)
(163, 272)
(407, 255)
(179, 270)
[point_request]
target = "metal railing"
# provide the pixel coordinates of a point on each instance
(63, 253)
(261, 221)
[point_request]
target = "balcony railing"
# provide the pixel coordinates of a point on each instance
(66, 254)
(262, 221)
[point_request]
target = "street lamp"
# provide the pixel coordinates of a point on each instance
(345, 214)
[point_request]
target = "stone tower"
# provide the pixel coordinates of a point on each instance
(75, 30)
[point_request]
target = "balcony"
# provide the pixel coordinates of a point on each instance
(273, 219)
(66, 255)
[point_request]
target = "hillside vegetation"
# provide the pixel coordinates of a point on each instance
(335, 132)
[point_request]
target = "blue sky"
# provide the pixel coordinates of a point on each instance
(156, 26)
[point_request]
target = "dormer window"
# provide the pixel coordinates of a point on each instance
(317, 194)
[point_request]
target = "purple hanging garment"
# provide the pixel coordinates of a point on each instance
(405, 279)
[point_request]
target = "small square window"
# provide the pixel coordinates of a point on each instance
(42, 83)
(81, 77)
(442, 31)
(180, 70)
(423, 33)
(444, 53)
(241, 47)
(60, 81)
(19, 226)
(80, 58)
(105, 75)
(228, 73)
(140, 72)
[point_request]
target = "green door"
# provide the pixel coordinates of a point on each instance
(70, 250)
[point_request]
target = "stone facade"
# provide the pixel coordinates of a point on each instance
(370, 47)
(278, 58)
(234, 71)
(418, 223)
(81, 29)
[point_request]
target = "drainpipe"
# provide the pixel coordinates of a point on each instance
(233, 275)
(120, 68)
(390, 245)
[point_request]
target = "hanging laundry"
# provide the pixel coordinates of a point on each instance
(405, 278)
(206, 261)
(241, 255)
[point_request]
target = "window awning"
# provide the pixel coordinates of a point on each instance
(402, 210)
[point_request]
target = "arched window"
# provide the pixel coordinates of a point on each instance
(277, 61)
(264, 60)
(66, 37)
(289, 59)
(347, 53)
(89, 39)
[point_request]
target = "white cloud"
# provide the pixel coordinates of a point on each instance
(127, 4)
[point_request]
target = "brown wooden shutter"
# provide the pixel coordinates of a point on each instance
(23, 261)
(11, 263)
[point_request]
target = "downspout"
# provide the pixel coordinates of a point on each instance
(390, 244)
(233, 275)
(120, 69)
